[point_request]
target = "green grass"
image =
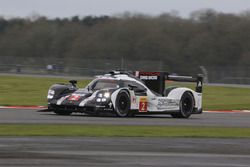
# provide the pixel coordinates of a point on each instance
(219, 98)
(121, 131)
(33, 91)
(27, 90)
(222, 98)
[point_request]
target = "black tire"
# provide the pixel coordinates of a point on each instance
(63, 112)
(122, 104)
(186, 106)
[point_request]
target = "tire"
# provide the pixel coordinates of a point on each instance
(63, 112)
(186, 106)
(122, 104)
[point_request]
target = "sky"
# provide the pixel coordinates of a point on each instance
(69, 8)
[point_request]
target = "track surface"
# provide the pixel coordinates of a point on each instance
(205, 119)
(123, 152)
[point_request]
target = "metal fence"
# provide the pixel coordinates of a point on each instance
(90, 67)
(229, 75)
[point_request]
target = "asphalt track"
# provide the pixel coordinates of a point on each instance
(123, 151)
(206, 119)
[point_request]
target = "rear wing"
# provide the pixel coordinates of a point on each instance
(156, 80)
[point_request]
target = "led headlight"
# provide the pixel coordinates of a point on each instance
(107, 94)
(51, 94)
(103, 97)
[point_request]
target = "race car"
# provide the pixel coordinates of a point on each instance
(128, 93)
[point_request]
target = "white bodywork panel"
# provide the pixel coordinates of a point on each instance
(159, 103)
(178, 92)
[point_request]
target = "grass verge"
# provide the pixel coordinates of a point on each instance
(19, 90)
(222, 98)
(121, 131)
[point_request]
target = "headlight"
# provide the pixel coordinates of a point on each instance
(51, 94)
(103, 97)
(107, 94)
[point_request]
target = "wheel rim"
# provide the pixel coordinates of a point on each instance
(123, 104)
(187, 105)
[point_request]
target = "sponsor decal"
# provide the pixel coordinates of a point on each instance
(110, 105)
(167, 103)
(143, 104)
(74, 97)
(199, 84)
(148, 77)
(133, 100)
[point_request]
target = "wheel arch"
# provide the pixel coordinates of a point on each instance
(178, 92)
(115, 93)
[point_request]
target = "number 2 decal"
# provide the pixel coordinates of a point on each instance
(143, 104)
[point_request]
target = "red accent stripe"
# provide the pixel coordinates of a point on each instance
(228, 111)
(225, 111)
(23, 107)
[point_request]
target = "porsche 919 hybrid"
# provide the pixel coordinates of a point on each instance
(126, 94)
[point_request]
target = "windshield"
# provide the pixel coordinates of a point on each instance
(105, 83)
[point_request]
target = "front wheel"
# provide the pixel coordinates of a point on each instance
(186, 106)
(122, 104)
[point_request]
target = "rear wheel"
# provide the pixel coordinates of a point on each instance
(62, 112)
(122, 104)
(186, 106)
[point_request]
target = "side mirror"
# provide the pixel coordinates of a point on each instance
(89, 88)
(73, 82)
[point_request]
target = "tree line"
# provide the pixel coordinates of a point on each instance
(206, 38)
